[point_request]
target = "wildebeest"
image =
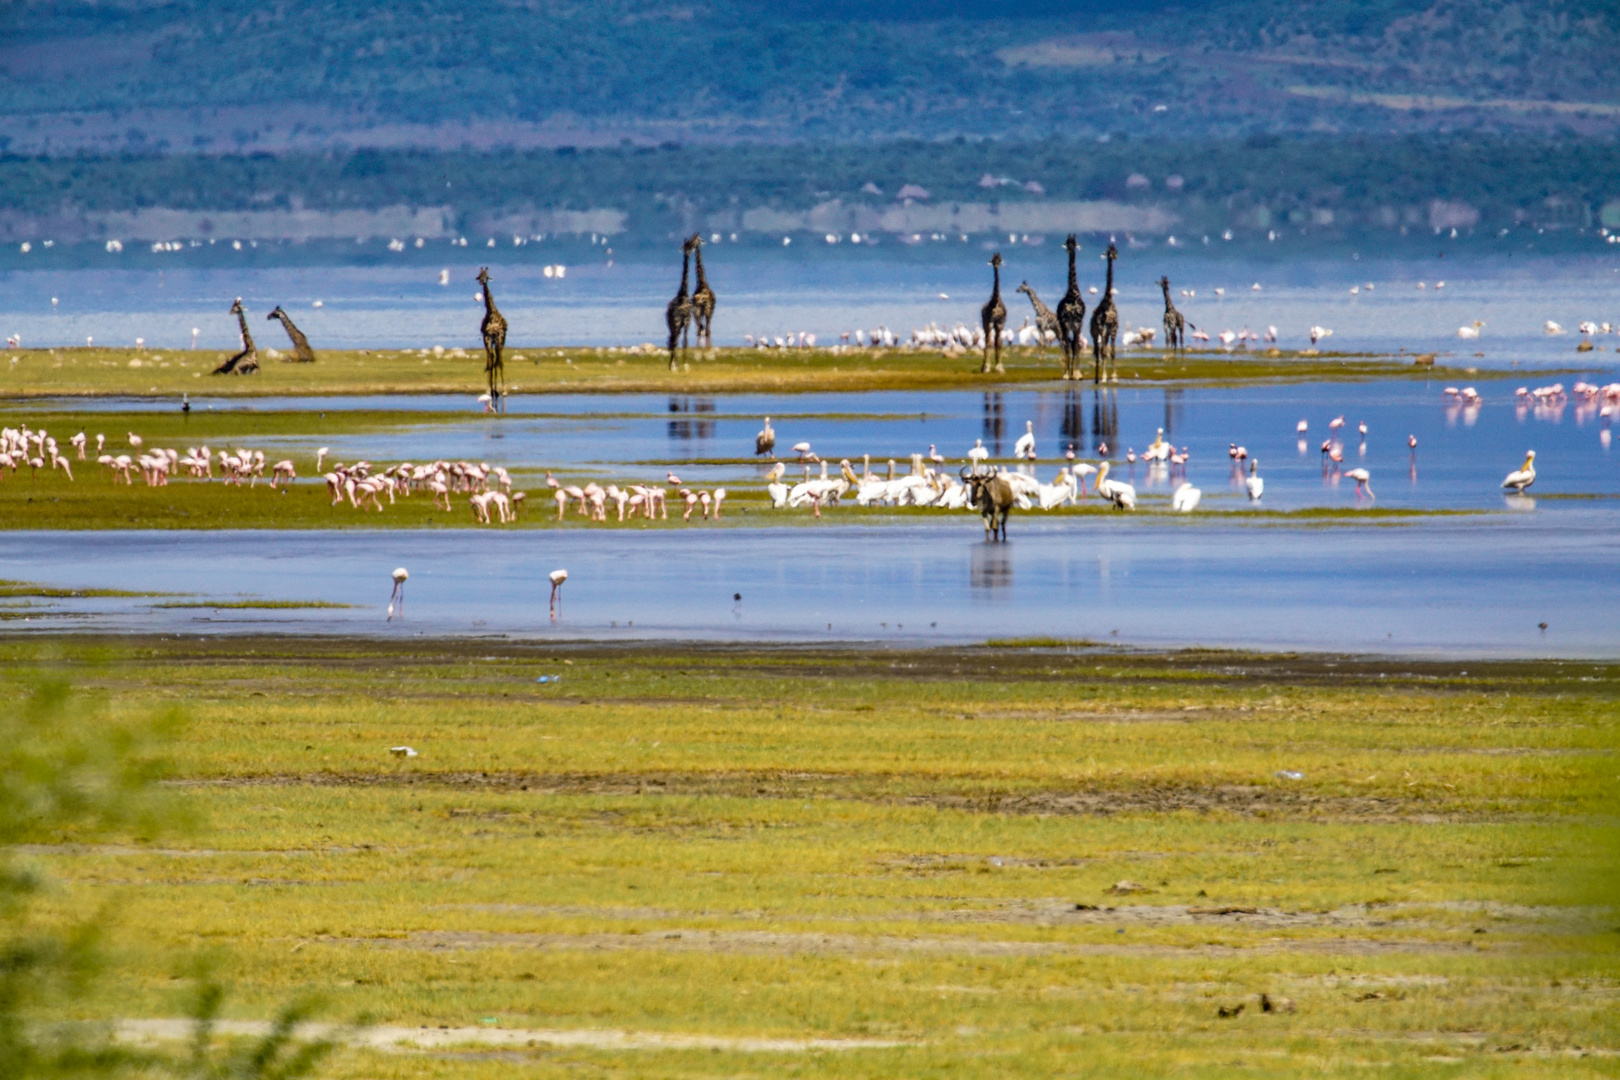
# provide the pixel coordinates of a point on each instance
(993, 496)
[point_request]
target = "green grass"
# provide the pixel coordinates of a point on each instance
(246, 605)
(887, 845)
(101, 372)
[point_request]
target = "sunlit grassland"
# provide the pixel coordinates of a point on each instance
(877, 845)
(150, 373)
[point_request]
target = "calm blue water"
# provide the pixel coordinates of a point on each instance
(623, 304)
(1459, 462)
(1457, 588)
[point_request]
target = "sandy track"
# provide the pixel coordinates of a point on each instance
(425, 1038)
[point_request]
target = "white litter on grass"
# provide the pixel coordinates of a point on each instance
(408, 1038)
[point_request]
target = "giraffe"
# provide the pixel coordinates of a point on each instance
(245, 362)
(494, 330)
(993, 317)
(1044, 319)
(302, 353)
(678, 315)
(702, 297)
(1105, 321)
(1175, 325)
(1071, 316)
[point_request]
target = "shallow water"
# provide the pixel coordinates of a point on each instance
(1461, 457)
(826, 294)
(1454, 588)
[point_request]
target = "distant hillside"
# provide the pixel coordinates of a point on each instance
(1256, 187)
(186, 76)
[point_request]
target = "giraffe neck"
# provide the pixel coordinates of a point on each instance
(686, 260)
(247, 338)
(1074, 282)
(489, 301)
(995, 291)
(1167, 304)
(1108, 290)
(697, 257)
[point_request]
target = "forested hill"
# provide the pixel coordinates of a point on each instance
(184, 75)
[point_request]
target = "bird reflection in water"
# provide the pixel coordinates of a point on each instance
(992, 568)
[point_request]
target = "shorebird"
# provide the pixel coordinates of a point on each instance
(401, 575)
(557, 578)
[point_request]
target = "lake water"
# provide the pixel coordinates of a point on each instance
(827, 294)
(1455, 588)
(1473, 585)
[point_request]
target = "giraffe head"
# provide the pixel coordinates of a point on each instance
(696, 242)
(275, 314)
(1071, 245)
(483, 275)
(995, 260)
(1164, 283)
(1023, 287)
(1113, 252)
(236, 308)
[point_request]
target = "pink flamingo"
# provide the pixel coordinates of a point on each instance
(557, 578)
(401, 575)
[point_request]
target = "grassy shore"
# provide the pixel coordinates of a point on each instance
(127, 372)
(963, 862)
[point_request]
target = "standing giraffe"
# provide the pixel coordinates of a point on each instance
(993, 317)
(702, 297)
(1175, 325)
(302, 353)
(678, 315)
(1071, 316)
(1045, 321)
(1105, 321)
(245, 362)
(494, 330)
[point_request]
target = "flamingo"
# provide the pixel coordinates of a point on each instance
(487, 401)
(1336, 423)
(1081, 470)
(1525, 476)
(1362, 478)
(1302, 427)
(1255, 483)
(935, 456)
(320, 456)
(803, 450)
(134, 440)
(557, 578)
(401, 575)
(1411, 442)
(719, 497)
(1185, 499)
(672, 479)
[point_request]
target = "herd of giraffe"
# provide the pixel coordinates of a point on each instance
(1066, 322)
(696, 308)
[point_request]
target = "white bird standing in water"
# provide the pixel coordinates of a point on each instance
(1255, 483)
(1185, 499)
(1525, 476)
(1362, 478)
(557, 578)
(1025, 446)
(401, 575)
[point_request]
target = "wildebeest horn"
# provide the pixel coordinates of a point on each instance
(964, 472)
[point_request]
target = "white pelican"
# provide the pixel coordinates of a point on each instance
(978, 454)
(1185, 499)
(557, 578)
(1470, 332)
(1552, 328)
(765, 441)
(1525, 476)
(1320, 332)
(1025, 446)
(778, 492)
(1122, 495)
(1255, 483)
(1362, 478)
(400, 576)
